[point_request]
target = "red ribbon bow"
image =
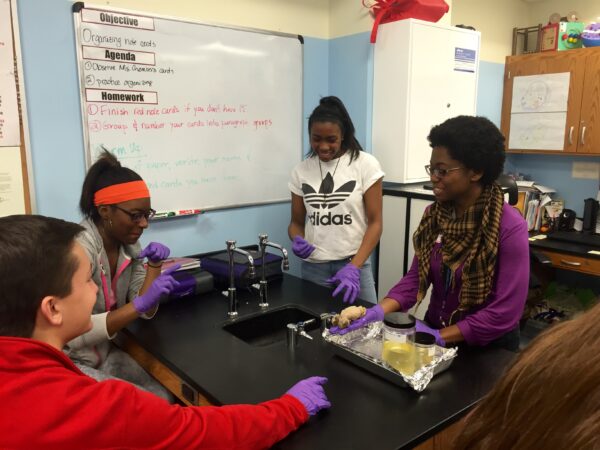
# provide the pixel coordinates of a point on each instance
(385, 11)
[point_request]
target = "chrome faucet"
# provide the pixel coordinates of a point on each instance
(295, 330)
(232, 291)
(263, 243)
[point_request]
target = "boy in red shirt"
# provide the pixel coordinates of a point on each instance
(46, 299)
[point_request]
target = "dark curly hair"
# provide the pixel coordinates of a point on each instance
(332, 109)
(474, 141)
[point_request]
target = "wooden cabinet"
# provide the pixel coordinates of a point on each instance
(574, 262)
(582, 125)
(589, 133)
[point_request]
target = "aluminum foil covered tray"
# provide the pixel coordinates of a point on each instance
(363, 348)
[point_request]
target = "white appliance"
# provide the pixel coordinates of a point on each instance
(424, 73)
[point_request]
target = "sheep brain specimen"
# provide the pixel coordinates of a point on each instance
(348, 315)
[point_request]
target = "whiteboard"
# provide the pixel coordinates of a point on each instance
(209, 116)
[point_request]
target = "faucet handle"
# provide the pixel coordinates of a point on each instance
(297, 329)
(300, 327)
(305, 334)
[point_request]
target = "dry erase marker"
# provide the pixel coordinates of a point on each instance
(184, 212)
(162, 215)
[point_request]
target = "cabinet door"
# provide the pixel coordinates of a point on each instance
(589, 131)
(572, 61)
(391, 245)
(439, 87)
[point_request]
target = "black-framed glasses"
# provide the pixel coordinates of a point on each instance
(440, 173)
(137, 216)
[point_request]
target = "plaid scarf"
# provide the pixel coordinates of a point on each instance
(471, 239)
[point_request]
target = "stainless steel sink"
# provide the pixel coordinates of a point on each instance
(269, 327)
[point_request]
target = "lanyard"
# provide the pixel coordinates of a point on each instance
(110, 300)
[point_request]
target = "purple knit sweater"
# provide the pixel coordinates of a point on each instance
(503, 307)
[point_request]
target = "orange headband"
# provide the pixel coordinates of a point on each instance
(121, 192)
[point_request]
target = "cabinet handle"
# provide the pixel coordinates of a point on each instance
(571, 135)
(570, 263)
(583, 135)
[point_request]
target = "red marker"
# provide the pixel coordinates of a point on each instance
(185, 212)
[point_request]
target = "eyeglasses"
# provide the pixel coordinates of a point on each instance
(137, 216)
(440, 173)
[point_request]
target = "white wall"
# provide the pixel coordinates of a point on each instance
(588, 10)
(306, 17)
(348, 17)
(495, 20)
(335, 18)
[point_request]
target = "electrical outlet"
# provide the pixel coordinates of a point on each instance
(586, 170)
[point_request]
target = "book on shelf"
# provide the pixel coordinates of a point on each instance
(532, 202)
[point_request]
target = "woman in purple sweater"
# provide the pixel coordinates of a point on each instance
(470, 246)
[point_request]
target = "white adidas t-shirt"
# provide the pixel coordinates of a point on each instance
(336, 221)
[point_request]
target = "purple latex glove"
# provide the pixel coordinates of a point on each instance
(155, 252)
(373, 314)
(348, 278)
(422, 327)
(301, 248)
(162, 285)
(311, 394)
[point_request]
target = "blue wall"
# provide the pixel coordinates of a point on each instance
(489, 91)
(341, 66)
(350, 78)
(555, 171)
(50, 72)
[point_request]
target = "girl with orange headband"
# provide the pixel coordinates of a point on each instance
(116, 204)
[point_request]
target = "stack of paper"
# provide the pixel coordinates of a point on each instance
(532, 202)
(186, 263)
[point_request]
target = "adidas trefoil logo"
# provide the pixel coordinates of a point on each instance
(326, 198)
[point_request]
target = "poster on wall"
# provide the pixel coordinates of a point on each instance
(540, 93)
(9, 111)
(539, 112)
(12, 197)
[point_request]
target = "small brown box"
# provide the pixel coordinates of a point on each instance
(549, 38)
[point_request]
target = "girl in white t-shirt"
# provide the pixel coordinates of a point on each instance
(336, 205)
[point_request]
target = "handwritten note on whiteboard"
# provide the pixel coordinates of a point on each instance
(210, 117)
(9, 111)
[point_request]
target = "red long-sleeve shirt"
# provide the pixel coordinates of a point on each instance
(46, 402)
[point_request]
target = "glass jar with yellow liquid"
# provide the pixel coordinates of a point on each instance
(398, 342)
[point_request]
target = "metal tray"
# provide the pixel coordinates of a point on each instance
(363, 348)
